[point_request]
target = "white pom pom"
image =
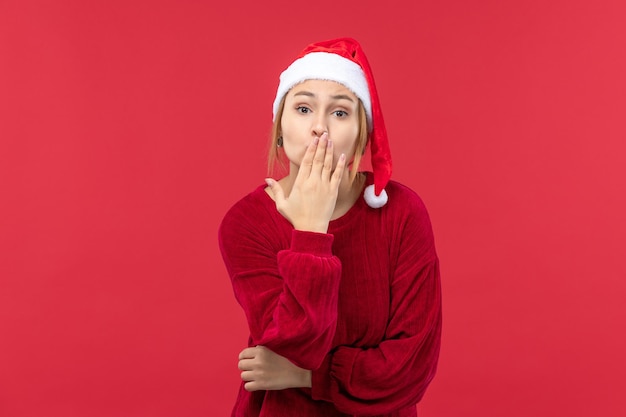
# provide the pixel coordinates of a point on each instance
(372, 199)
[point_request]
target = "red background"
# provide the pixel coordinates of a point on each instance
(127, 129)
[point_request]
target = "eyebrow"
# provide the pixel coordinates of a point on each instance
(335, 97)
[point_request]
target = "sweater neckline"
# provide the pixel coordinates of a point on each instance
(348, 217)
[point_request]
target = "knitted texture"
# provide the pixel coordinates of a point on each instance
(359, 306)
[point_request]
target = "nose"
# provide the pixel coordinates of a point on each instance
(320, 125)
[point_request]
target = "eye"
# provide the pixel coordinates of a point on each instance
(340, 113)
(303, 109)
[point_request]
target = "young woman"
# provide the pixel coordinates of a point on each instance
(335, 269)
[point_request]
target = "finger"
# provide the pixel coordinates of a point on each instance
(320, 153)
(277, 191)
(245, 364)
(307, 160)
(328, 162)
(248, 353)
(251, 386)
(339, 169)
(247, 376)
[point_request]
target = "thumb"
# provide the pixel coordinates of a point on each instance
(276, 189)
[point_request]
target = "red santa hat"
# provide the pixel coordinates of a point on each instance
(343, 60)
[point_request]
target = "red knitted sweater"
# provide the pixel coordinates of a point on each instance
(359, 306)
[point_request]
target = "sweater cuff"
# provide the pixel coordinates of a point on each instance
(321, 381)
(319, 244)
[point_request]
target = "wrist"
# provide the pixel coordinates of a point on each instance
(306, 378)
(315, 228)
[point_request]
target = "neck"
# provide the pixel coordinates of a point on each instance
(348, 188)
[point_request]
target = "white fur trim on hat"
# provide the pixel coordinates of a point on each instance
(326, 66)
(373, 200)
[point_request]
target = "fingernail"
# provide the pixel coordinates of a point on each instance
(343, 156)
(316, 140)
(269, 182)
(330, 143)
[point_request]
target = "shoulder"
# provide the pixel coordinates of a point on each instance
(403, 205)
(254, 221)
(252, 200)
(404, 201)
(409, 222)
(246, 212)
(400, 196)
(407, 211)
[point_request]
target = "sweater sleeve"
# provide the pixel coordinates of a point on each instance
(396, 373)
(289, 296)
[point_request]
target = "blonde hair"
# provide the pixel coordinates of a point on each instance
(276, 154)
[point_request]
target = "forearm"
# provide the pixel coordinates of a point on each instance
(293, 310)
(396, 373)
(374, 381)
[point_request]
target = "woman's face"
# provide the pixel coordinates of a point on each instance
(314, 107)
